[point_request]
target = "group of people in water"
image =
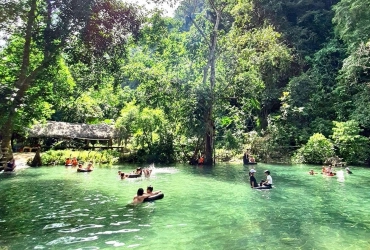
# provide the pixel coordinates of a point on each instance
(140, 195)
(136, 173)
(328, 171)
(73, 162)
(265, 184)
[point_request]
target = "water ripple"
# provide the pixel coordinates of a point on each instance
(115, 243)
(80, 228)
(134, 245)
(120, 223)
(116, 232)
(71, 240)
(88, 248)
(56, 225)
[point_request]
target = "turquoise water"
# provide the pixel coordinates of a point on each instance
(203, 208)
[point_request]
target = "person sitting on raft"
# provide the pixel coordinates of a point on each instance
(80, 166)
(329, 171)
(138, 171)
(10, 166)
(149, 190)
(251, 159)
(74, 162)
(68, 162)
(122, 175)
(252, 179)
(90, 166)
(268, 181)
(140, 196)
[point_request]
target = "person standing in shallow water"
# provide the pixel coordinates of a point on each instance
(245, 158)
(252, 179)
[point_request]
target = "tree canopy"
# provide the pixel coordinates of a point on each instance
(292, 73)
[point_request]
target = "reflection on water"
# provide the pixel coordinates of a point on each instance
(203, 208)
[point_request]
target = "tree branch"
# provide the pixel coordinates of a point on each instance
(200, 31)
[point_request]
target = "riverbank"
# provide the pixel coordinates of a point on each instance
(22, 158)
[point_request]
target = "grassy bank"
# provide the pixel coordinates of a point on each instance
(58, 157)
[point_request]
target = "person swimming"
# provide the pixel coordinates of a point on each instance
(138, 171)
(311, 172)
(90, 166)
(149, 190)
(140, 196)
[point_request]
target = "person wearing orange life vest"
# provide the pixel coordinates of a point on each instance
(68, 162)
(201, 160)
(74, 162)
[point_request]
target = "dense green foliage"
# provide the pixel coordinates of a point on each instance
(102, 158)
(350, 144)
(317, 150)
(201, 81)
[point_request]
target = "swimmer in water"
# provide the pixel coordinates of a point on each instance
(311, 172)
(140, 196)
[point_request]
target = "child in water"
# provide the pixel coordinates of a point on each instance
(311, 172)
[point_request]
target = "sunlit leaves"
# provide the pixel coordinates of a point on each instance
(142, 126)
(352, 19)
(317, 150)
(353, 147)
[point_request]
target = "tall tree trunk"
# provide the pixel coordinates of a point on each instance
(209, 136)
(21, 84)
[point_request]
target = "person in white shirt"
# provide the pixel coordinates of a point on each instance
(268, 181)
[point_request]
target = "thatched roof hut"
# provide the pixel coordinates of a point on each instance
(66, 130)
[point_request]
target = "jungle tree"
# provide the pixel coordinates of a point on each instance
(52, 27)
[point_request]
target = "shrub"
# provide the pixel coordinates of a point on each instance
(58, 157)
(317, 149)
(351, 146)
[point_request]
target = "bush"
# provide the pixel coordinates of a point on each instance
(317, 149)
(58, 157)
(352, 147)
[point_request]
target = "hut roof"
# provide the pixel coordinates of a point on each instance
(72, 130)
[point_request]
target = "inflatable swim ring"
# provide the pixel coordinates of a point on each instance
(133, 175)
(154, 197)
(263, 187)
(83, 170)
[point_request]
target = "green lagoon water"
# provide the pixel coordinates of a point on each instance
(203, 208)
